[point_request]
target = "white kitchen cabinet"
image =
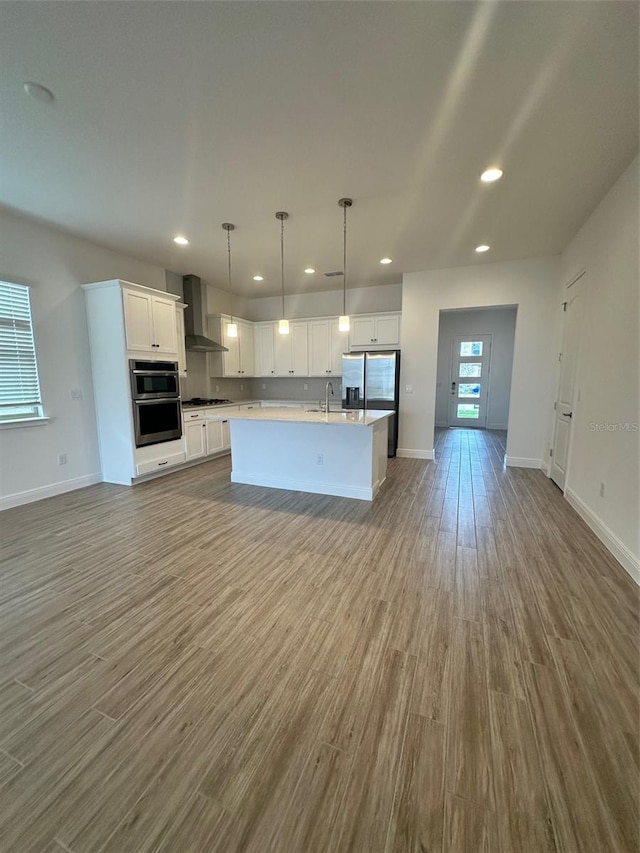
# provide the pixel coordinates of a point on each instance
(182, 352)
(264, 349)
(195, 436)
(292, 351)
(214, 439)
(156, 458)
(128, 321)
(375, 330)
(239, 360)
(150, 323)
(326, 346)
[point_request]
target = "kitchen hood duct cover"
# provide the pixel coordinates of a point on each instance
(195, 340)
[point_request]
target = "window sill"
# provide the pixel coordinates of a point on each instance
(24, 422)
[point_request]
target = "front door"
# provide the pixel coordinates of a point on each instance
(469, 384)
(566, 386)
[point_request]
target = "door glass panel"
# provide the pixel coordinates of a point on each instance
(468, 410)
(468, 348)
(470, 368)
(468, 390)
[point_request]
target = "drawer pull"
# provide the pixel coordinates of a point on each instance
(163, 463)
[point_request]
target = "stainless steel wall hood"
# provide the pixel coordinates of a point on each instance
(195, 339)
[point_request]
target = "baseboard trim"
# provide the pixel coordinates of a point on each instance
(20, 498)
(544, 467)
(406, 453)
(496, 426)
(522, 462)
(358, 492)
(629, 562)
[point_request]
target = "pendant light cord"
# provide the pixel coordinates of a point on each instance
(344, 265)
(282, 261)
(229, 257)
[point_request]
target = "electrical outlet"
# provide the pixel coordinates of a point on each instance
(264, 386)
(320, 459)
(242, 387)
(217, 388)
(62, 459)
(305, 387)
(601, 490)
(76, 394)
(408, 389)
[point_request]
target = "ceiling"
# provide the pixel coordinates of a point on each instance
(173, 117)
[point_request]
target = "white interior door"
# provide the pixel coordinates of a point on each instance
(469, 384)
(566, 386)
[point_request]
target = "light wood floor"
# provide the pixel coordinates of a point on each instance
(192, 666)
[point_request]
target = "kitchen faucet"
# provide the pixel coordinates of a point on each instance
(328, 387)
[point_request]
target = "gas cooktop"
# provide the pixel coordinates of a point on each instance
(201, 401)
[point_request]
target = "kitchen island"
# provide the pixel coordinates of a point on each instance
(343, 453)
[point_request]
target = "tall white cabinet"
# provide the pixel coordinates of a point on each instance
(126, 321)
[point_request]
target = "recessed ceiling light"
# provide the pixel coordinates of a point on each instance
(309, 270)
(483, 248)
(490, 175)
(258, 278)
(180, 240)
(386, 261)
(40, 93)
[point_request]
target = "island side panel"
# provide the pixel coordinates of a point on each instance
(326, 459)
(380, 449)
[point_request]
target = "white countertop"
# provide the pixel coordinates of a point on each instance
(356, 417)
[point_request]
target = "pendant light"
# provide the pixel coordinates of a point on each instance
(232, 328)
(343, 321)
(283, 325)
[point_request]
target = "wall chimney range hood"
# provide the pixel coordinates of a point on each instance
(195, 339)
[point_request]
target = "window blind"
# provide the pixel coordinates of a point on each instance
(19, 385)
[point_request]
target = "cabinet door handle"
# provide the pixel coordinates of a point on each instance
(163, 463)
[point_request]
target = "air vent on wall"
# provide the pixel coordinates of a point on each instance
(334, 273)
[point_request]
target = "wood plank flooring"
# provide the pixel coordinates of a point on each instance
(191, 666)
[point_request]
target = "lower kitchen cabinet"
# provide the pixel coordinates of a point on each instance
(213, 435)
(206, 432)
(158, 457)
(195, 438)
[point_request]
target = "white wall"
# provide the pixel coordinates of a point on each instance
(500, 323)
(327, 303)
(531, 285)
(607, 247)
(55, 264)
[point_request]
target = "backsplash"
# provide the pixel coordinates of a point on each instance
(285, 388)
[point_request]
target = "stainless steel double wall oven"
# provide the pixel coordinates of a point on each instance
(155, 395)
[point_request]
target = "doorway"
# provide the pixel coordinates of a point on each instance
(563, 414)
(475, 358)
(469, 387)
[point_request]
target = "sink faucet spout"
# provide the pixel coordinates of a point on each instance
(328, 388)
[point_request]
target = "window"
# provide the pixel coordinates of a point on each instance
(19, 385)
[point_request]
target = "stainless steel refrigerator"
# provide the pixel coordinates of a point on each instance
(371, 380)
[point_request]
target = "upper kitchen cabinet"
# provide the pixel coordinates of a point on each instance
(263, 338)
(238, 361)
(150, 322)
(291, 352)
(373, 331)
(326, 346)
